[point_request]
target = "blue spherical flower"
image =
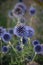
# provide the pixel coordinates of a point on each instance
(5, 49)
(21, 5)
(2, 30)
(10, 14)
(24, 40)
(23, 20)
(41, 49)
(10, 30)
(35, 42)
(32, 10)
(18, 48)
(20, 31)
(37, 48)
(30, 31)
(24, 31)
(6, 37)
(18, 12)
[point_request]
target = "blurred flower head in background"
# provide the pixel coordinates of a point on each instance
(6, 37)
(24, 40)
(32, 11)
(21, 5)
(4, 49)
(35, 42)
(10, 14)
(23, 20)
(18, 12)
(37, 48)
(18, 47)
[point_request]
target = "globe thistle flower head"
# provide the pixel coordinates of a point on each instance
(24, 40)
(4, 49)
(20, 31)
(6, 37)
(18, 48)
(32, 11)
(42, 46)
(41, 52)
(10, 14)
(35, 42)
(41, 49)
(23, 20)
(18, 12)
(21, 5)
(10, 30)
(37, 48)
(30, 31)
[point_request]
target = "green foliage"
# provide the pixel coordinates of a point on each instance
(3, 20)
(39, 59)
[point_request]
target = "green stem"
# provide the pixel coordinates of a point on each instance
(22, 53)
(34, 57)
(29, 42)
(14, 22)
(12, 47)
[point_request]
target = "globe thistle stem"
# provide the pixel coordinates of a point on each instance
(12, 47)
(29, 40)
(34, 57)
